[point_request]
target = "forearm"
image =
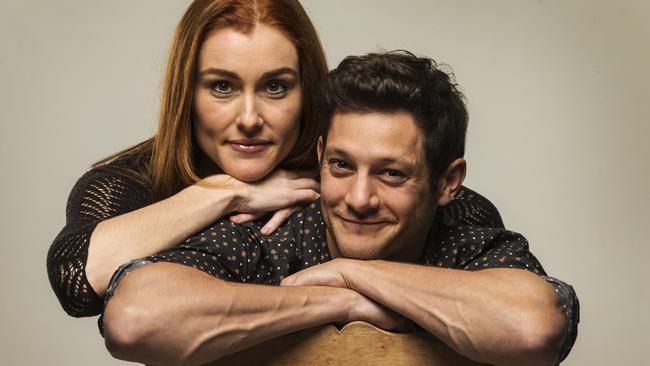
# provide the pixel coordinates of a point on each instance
(169, 314)
(154, 228)
(496, 316)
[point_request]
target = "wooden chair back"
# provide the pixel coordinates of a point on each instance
(358, 343)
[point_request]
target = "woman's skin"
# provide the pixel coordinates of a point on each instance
(248, 100)
(247, 106)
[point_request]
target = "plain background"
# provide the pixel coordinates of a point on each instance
(558, 93)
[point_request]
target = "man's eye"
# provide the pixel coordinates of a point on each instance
(222, 87)
(276, 88)
(394, 175)
(339, 164)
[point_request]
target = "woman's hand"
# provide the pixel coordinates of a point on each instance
(282, 191)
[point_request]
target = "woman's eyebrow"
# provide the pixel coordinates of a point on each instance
(233, 75)
(277, 72)
(220, 72)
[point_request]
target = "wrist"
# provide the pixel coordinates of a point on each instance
(224, 192)
(353, 304)
(348, 269)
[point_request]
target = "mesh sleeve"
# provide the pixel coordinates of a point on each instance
(470, 208)
(97, 196)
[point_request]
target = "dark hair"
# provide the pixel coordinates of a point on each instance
(400, 81)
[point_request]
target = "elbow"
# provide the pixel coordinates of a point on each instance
(126, 328)
(131, 332)
(544, 337)
(76, 299)
(132, 325)
(132, 335)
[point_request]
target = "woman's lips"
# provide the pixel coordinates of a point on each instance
(249, 146)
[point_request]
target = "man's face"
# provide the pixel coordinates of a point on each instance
(375, 191)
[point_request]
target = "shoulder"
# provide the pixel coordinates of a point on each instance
(470, 208)
(110, 188)
(475, 247)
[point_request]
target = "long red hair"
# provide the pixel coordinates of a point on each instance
(167, 162)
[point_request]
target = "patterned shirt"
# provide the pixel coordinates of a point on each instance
(239, 252)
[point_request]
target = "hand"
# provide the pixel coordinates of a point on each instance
(360, 307)
(274, 222)
(330, 274)
(378, 315)
(282, 191)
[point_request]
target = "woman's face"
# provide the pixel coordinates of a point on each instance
(248, 100)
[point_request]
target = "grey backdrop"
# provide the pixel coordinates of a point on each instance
(558, 95)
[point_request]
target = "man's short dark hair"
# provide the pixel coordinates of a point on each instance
(400, 81)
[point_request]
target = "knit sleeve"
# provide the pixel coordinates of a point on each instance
(97, 196)
(469, 208)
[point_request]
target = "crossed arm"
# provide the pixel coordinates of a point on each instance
(494, 316)
(169, 314)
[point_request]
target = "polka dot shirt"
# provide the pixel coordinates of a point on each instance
(239, 252)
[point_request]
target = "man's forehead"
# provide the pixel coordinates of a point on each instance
(383, 136)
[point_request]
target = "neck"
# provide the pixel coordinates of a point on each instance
(412, 254)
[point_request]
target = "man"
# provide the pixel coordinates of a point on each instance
(393, 145)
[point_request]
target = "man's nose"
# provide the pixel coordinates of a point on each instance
(362, 197)
(249, 119)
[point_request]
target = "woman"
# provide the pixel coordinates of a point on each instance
(236, 134)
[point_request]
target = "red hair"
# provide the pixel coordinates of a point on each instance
(167, 161)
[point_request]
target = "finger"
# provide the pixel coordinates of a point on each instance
(277, 219)
(405, 326)
(289, 281)
(306, 183)
(245, 217)
(303, 196)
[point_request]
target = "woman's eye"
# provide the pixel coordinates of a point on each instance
(275, 87)
(222, 87)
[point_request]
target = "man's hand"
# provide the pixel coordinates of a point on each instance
(330, 274)
(366, 310)
(333, 274)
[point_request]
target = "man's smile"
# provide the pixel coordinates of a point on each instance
(350, 223)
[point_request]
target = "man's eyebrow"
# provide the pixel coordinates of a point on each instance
(383, 161)
(337, 151)
(409, 165)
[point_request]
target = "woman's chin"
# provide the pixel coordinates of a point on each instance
(248, 172)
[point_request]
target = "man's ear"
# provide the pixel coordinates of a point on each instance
(320, 149)
(451, 181)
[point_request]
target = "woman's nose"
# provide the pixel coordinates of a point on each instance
(249, 119)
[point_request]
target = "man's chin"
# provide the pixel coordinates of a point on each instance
(363, 242)
(361, 249)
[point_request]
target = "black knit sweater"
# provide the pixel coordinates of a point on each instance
(101, 194)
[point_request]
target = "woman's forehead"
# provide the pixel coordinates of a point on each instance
(262, 48)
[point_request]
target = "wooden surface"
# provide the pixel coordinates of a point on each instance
(358, 343)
